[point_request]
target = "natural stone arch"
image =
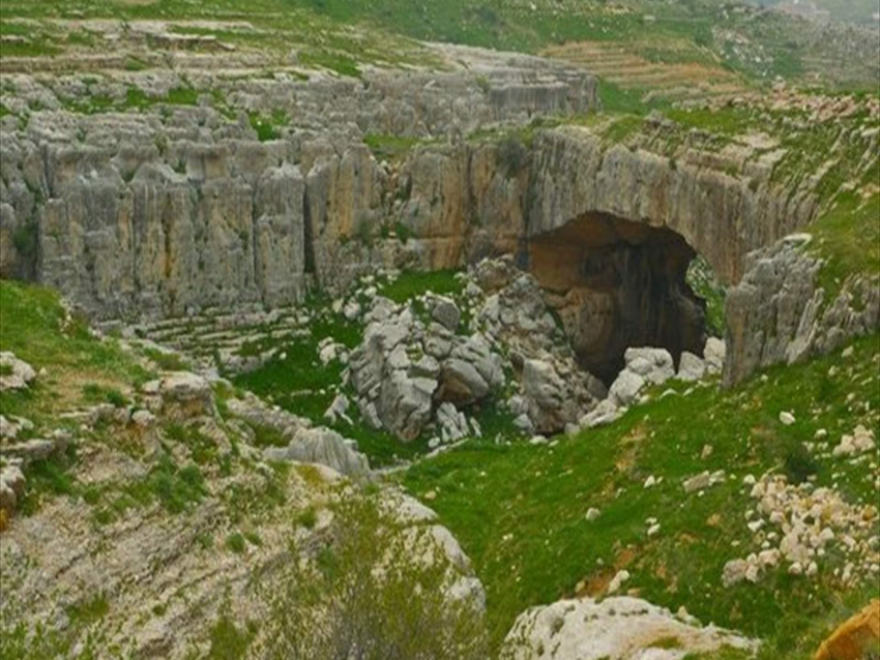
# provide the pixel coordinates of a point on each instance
(617, 284)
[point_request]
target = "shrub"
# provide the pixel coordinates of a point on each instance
(235, 542)
(512, 156)
(358, 596)
(308, 518)
(799, 464)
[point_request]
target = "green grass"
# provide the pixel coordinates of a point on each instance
(176, 489)
(706, 286)
(415, 283)
(49, 478)
(267, 128)
(386, 146)
(35, 329)
(519, 512)
(229, 641)
(89, 611)
(335, 61)
(167, 361)
(236, 543)
(847, 237)
(616, 99)
(97, 394)
(299, 382)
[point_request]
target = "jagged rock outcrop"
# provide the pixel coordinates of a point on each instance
(406, 367)
(132, 215)
(622, 628)
(555, 391)
(325, 447)
(779, 312)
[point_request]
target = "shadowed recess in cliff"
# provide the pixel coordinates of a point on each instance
(617, 284)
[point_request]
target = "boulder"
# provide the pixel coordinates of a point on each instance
(453, 423)
(471, 372)
(15, 374)
(856, 638)
(626, 388)
(404, 404)
(714, 354)
(619, 627)
(604, 413)
(653, 364)
(184, 395)
(325, 447)
(553, 400)
(447, 314)
(691, 368)
(338, 410)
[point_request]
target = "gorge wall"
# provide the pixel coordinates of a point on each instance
(182, 209)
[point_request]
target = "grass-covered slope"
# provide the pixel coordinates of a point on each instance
(520, 511)
(79, 369)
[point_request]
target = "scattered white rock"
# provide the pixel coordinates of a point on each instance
(861, 441)
(617, 581)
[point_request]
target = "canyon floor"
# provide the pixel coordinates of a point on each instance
(438, 331)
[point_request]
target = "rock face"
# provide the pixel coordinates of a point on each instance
(779, 313)
(618, 284)
(574, 174)
(136, 215)
(856, 638)
(555, 392)
(620, 628)
(137, 559)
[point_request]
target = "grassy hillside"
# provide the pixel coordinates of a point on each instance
(520, 511)
(78, 367)
(665, 47)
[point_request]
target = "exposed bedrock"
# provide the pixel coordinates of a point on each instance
(137, 215)
(618, 284)
(779, 312)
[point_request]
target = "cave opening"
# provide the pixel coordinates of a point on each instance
(617, 284)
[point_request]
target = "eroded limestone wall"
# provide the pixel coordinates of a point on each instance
(159, 218)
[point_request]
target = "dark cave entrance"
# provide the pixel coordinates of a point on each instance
(617, 284)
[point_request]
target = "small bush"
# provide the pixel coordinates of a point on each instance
(512, 156)
(167, 361)
(348, 599)
(307, 519)
(236, 543)
(799, 464)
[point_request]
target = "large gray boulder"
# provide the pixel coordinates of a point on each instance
(322, 446)
(653, 364)
(626, 388)
(471, 372)
(555, 397)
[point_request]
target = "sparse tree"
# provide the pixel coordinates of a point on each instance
(373, 590)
